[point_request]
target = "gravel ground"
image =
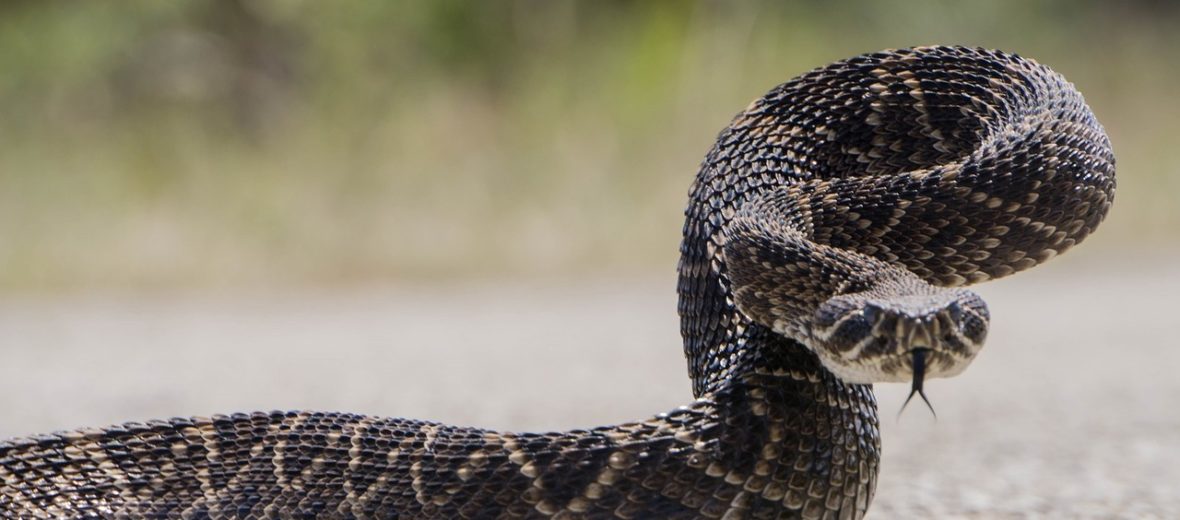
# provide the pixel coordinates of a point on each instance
(1070, 412)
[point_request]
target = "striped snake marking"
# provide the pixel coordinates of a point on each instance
(828, 240)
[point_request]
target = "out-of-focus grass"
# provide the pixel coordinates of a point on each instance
(181, 143)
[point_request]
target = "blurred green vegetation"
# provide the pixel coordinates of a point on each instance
(179, 143)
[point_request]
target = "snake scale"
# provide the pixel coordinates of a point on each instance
(828, 236)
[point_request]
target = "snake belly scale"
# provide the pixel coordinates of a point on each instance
(827, 239)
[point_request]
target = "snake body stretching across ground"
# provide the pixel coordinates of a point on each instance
(828, 234)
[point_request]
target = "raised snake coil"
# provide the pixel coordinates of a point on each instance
(936, 165)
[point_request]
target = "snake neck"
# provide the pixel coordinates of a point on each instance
(796, 433)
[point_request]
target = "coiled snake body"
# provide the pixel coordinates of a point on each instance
(827, 236)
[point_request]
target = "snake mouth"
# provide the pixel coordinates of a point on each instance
(926, 363)
(913, 366)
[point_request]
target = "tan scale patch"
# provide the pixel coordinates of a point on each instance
(207, 434)
(355, 432)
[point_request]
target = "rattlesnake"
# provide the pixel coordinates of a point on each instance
(828, 233)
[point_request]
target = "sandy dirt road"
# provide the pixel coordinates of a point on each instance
(1071, 411)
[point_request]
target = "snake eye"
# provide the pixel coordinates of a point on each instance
(870, 313)
(955, 312)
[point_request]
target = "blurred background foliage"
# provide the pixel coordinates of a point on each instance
(189, 143)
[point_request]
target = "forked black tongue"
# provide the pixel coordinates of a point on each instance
(919, 376)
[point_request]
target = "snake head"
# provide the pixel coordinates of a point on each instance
(864, 338)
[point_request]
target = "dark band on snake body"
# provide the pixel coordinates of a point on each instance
(827, 236)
